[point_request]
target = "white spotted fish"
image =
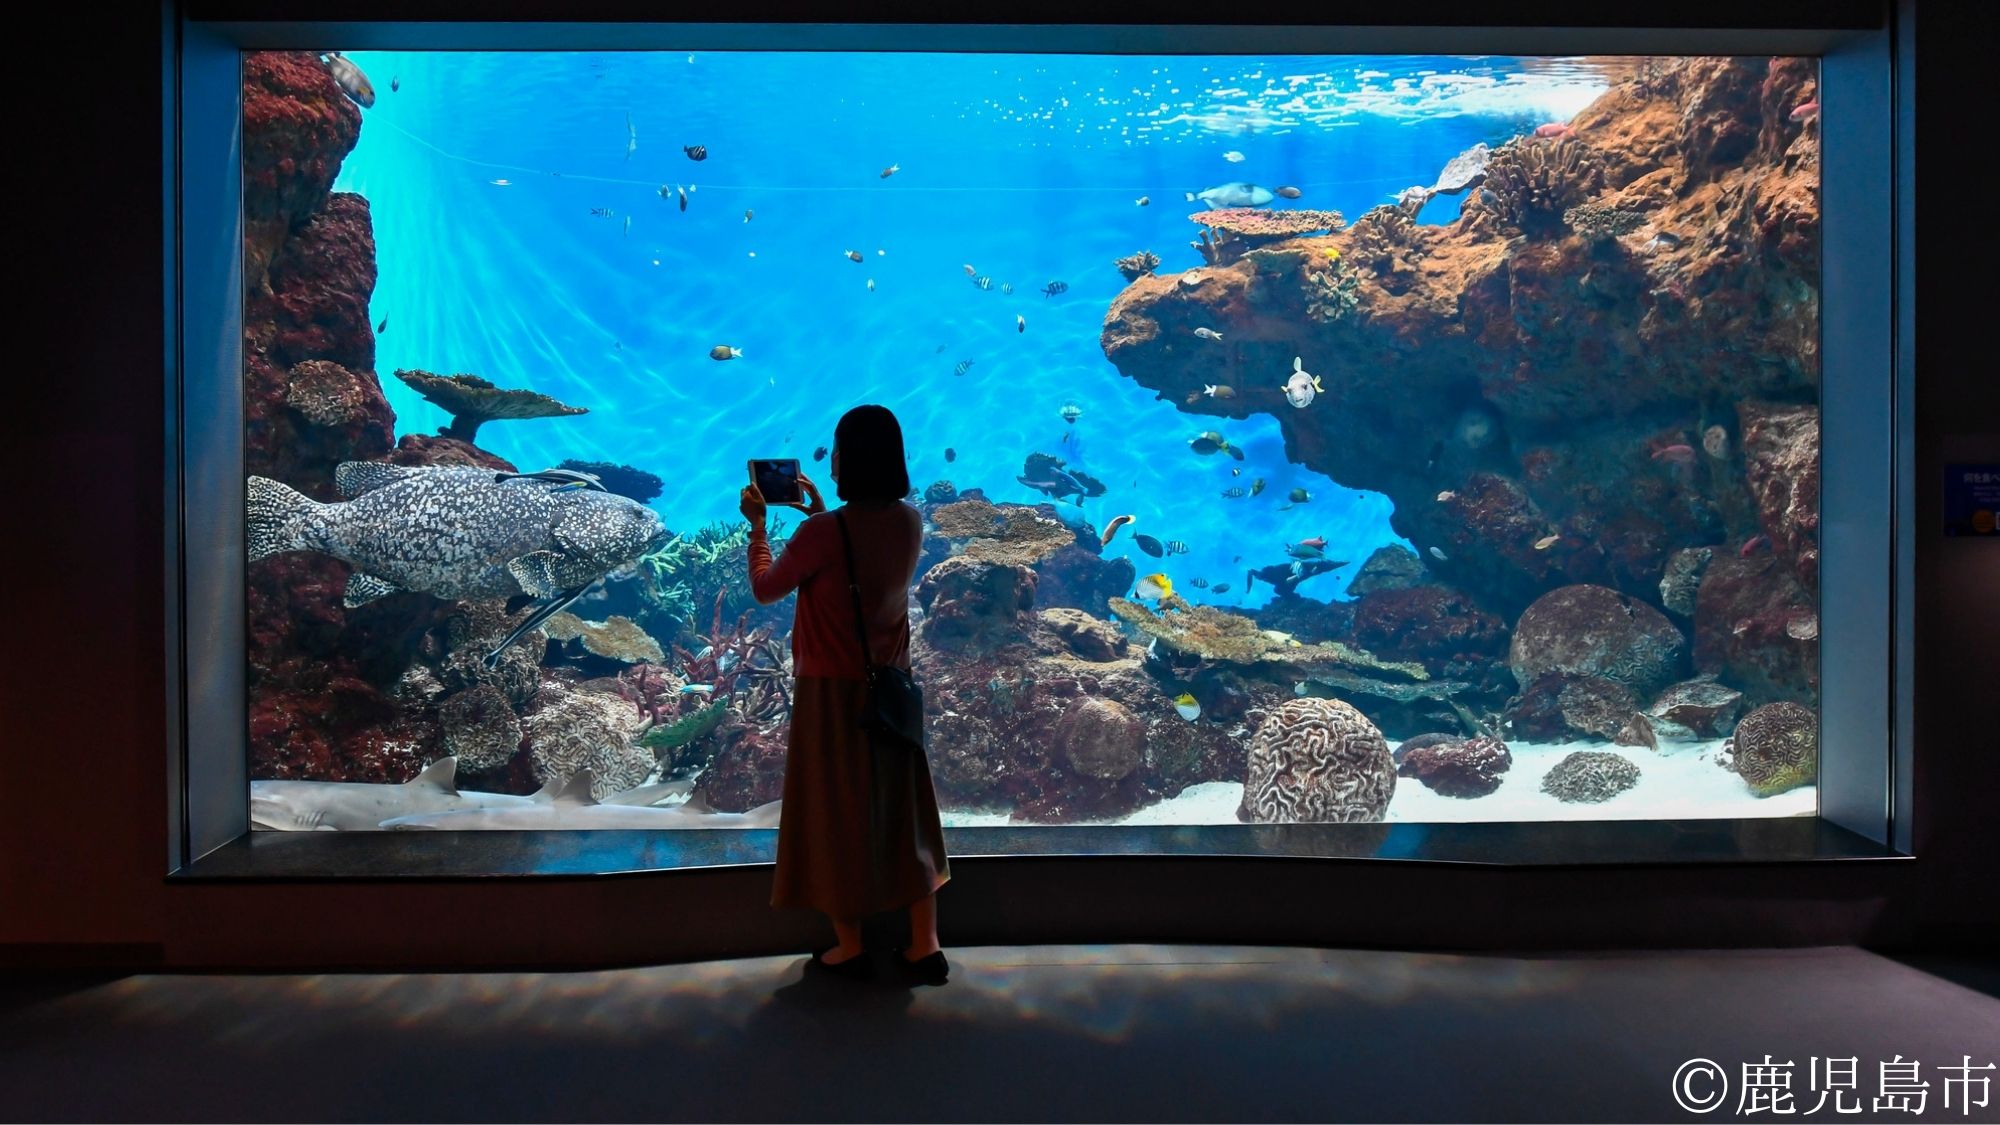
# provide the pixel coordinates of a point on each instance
(455, 532)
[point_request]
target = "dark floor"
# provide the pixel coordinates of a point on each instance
(1073, 1033)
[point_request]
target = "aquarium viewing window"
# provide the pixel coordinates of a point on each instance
(1300, 438)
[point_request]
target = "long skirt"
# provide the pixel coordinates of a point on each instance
(859, 831)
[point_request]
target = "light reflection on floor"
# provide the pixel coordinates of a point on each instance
(1021, 1033)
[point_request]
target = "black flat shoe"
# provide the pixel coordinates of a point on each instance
(929, 970)
(859, 967)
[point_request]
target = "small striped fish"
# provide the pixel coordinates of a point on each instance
(964, 365)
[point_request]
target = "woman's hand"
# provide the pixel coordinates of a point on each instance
(751, 504)
(816, 505)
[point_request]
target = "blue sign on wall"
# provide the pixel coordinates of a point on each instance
(1971, 499)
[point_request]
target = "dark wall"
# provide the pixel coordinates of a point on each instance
(82, 783)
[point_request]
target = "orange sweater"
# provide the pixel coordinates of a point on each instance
(887, 542)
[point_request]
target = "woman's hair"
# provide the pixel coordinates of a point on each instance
(872, 464)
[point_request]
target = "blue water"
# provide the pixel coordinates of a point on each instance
(1025, 167)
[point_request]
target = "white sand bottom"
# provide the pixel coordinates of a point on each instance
(1679, 781)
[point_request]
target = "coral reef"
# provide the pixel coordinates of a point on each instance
(1600, 223)
(1781, 462)
(691, 573)
(971, 603)
(1530, 184)
(1757, 629)
(1593, 631)
(1682, 579)
(1590, 777)
(1471, 768)
(1775, 748)
(1393, 567)
(1317, 761)
(570, 728)
(1136, 266)
(1386, 242)
(472, 401)
(1437, 626)
(940, 492)
(480, 728)
(1217, 634)
(1332, 292)
(297, 129)
(619, 638)
(1256, 226)
(1086, 636)
(625, 480)
(1012, 535)
(749, 769)
(1099, 738)
(429, 449)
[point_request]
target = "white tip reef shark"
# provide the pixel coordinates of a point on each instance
(348, 806)
(573, 808)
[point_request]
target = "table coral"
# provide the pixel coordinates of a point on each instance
(472, 401)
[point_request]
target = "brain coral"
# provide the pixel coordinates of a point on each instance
(1776, 747)
(1588, 777)
(569, 730)
(480, 728)
(1317, 760)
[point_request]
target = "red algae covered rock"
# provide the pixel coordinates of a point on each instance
(1471, 768)
(1436, 625)
(428, 449)
(1757, 629)
(1101, 739)
(297, 128)
(1781, 460)
(1593, 631)
(968, 603)
(749, 770)
(316, 305)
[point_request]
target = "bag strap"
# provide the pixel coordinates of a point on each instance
(854, 591)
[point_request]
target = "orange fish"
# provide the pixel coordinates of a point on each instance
(1552, 129)
(1111, 529)
(1750, 546)
(1678, 454)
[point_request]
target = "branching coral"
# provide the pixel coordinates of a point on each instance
(1332, 292)
(472, 401)
(1383, 240)
(1598, 223)
(1220, 247)
(692, 570)
(1531, 183)
(1136, 266)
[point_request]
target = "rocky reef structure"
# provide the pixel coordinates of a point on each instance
(1135, 266)
(1451, 768)
(472, 401)
(1603, 374)
(1317, 761)
(1775, 748)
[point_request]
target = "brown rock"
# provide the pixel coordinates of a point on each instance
(1697, 708)
(1085, 635)
(1438, 626)
(1101, 739)
(1471, 768)
(1781, 462)
(1595, 631)
(1757, 629)
(969, 603)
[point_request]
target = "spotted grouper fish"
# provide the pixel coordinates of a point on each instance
(455, 532)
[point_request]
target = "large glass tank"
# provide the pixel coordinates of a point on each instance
(1297, 438)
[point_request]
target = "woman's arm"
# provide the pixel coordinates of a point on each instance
(771, 581)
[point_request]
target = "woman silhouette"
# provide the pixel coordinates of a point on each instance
(859, 831)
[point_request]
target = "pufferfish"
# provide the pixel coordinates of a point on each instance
(1301, 387)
